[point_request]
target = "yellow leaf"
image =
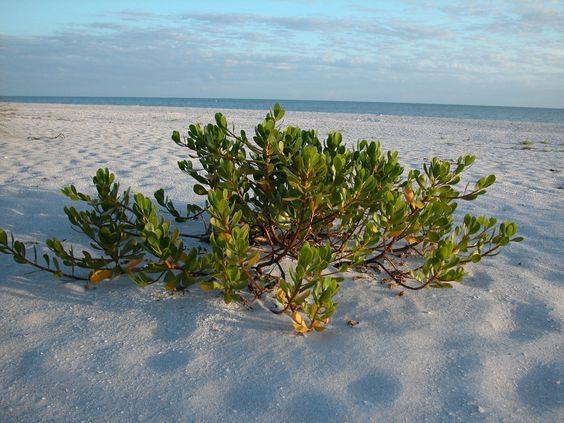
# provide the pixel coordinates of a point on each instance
(411, 240)
(300, 324)
(226, 236)
(134, 263)
(395, 233)
(264, 185)
(317, 323)
(168, 264)
(254, 259)
(297, 317)
(99, 275)
(207, 286)
(281, 295)
(171, 285)
(408, 194)
(301, 328)
(418, 204)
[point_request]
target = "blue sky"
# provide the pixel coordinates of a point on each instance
(460, 52)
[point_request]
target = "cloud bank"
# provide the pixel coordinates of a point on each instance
(442, 52)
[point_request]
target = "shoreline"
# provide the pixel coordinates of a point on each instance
(246, 116)
(454, 111)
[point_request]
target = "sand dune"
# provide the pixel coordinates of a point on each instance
(492, 349)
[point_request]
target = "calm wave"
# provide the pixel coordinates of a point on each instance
(526, 114)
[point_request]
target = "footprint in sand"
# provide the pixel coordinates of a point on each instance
(378, 388)
(542, 389)
(169, 361)
(532, 321)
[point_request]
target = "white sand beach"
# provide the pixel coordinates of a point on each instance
(491, 349)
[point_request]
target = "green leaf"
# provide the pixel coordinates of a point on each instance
(485, 182)
(140, 279)
(344, 267)
(475, 257)
(221, 121)
(19, 259)
(159, 196)
(510, 229)
(200, 190)
(211, 285)
(278, 112)
(19, 247)
(443, 252)
(299, 299)
(490, 179)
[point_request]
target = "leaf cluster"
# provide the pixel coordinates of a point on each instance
(126, 237)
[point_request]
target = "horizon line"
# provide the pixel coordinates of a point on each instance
(280, 100)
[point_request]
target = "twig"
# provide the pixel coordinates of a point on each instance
(61, 136)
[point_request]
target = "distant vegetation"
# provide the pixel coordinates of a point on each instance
(527, 144)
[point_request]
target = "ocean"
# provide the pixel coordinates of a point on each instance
(524, 114)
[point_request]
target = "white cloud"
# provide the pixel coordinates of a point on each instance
(241, 55)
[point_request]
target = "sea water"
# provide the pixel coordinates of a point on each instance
(525, 114)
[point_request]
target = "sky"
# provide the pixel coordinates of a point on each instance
(420, 51)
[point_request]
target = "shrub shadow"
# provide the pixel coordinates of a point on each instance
(35, 216)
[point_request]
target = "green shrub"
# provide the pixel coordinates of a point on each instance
(283, 195)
